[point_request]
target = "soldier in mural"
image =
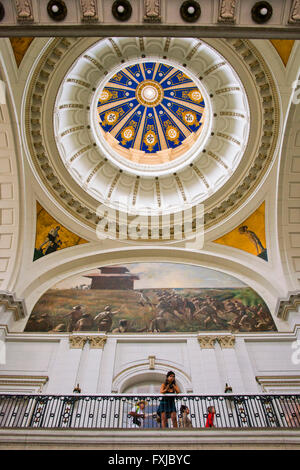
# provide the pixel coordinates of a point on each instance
(144, 300)
(42, 322)
(122, 328)
(51, 243)
(85, 323)
(104, 319)
(73, 317)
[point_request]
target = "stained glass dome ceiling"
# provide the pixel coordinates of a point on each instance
(151, 109)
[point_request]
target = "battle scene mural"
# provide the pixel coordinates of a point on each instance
(151, 297)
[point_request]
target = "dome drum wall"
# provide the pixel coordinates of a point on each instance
(236, 153)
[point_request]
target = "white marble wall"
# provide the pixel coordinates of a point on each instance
(124, 360)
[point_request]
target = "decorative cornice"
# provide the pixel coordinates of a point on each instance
(10, 302)
(208, 342)
(278, 381)
(288, 305)
(95, 342)
(16, 381)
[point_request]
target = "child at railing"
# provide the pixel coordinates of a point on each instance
(138, 414)
(184, 420)
(210, 417)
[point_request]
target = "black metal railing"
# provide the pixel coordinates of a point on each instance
(113, 411)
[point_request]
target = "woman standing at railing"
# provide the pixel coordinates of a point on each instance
(167, 404)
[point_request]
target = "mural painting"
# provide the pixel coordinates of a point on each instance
(249, 236)
(51, 236)
(150, 298)
(19, 46)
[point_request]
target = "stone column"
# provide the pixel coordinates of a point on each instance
(91, 373)
(212, 382)
(106, 367)
(197, 369)
(231, 370)
(64, 369)
(246, 369)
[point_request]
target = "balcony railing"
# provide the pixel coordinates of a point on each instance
(113, 411)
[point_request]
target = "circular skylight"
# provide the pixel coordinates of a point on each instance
(151, 112)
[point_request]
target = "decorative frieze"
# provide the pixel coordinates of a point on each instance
(77, 342)
(227, 11)
(180, 186)
(24, 11)
(295, 12)
(80, 152)
(208, 342)
(93, 61)
(152, 11)
(78, 82)
(228, 137)
(94, 171)
(95, 342)
(226, 341)
(218, 159)
(88, 10)
(201, 176)
(116, 47)
(214, 68)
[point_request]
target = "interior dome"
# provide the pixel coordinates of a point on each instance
(180, 128)
(151, 112)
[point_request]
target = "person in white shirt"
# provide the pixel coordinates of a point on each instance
(138, 414)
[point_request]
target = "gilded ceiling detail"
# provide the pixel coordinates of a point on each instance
(151, 107)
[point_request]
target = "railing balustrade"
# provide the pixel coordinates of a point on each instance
(113, 411)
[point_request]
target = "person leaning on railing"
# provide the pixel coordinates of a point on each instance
(167, 404)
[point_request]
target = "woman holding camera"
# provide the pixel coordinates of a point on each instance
(167, 404)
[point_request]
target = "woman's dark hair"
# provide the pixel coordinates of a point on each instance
(168, 375)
